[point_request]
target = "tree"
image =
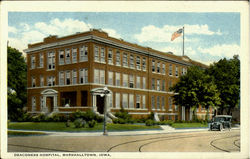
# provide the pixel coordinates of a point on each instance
(17, 82)
(195, 89)
(226, 75)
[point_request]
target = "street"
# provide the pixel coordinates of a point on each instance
(203, 141)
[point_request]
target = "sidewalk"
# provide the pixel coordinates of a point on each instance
(165, 129)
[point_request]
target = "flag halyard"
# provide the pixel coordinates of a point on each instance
(176, 34)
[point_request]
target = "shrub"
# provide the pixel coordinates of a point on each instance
(149, 122)
(89, 115)
(91, 123)
(99, 119)
(67, 124)
(79, 123)
(151, 116)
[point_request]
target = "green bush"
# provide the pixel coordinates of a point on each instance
(99, 119)
(79, 123)
(149, 122)
(91, 123)
(67, 124)
(38, 118)
(123, 117)
(151, 116)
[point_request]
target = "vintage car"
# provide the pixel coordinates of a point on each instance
(220, 122)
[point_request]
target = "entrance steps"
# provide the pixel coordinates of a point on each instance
(167, 128)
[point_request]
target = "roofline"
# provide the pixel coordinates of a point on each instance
(145, 51)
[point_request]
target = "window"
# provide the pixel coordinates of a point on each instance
(143, 82)
(176, 71)
(96, 76)
(138, 82)
(84, 75)
(111, 100)
(51, 61)
(143, 101)
(144, 64)
(117, 79)
(33, 61)
(176, 108)
(99, 76)
(51, 81)
(158, 85)
(74, 55)
(153, 102)
(68, 78)
(184, 71)
(170, 84)
(163, 86)
(170, 69)
(153, 65)
(158, 102)
(125, 59)
(153, 84)
(33, 101)
(158, 67)
(83, 53)
(61, 78)
(138, 63)
(131, 61)
(162, 102)
(74, 76)
(61, 57)
(170, 104)
(110, 56)
(41, 60)
(102, 55)
(33, 81)
(118, 58)
(117, 100)
(68, 60)
(125, 101)
(125, 80)
(110, 78)
(131, 101)
(163, 69)
(102, 76)
(97, 59)
(131, 81)
(41, 81)
(138, 101)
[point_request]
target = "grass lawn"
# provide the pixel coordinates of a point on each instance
(189, 125)
(18, 133)
(60, 126)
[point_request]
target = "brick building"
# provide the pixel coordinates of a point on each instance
(62, 72)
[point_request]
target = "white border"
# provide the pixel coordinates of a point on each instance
(138, 6)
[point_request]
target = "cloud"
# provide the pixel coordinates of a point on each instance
(61, 28)
(224, 50)
(32, 33)
(112, 33)
(152, 33)
(12, 29)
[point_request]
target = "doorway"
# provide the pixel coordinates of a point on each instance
(50, 103)
(100, 104)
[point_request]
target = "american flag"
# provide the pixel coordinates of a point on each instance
(176, 34)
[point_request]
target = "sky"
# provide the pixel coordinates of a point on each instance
(209, 37)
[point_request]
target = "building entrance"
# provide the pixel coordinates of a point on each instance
(50, 104)
(100, 104)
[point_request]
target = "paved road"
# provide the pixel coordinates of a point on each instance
(202, 141)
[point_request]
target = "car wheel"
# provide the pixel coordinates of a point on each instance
(220, 129)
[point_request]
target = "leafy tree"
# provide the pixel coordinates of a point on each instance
(195, 89)
(17, 81)
(226, 76)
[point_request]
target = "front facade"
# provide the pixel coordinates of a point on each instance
(62, 73)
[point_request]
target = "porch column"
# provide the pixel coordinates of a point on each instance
(45, 109)
(108, 102)
(183, 113)
(55, 104)
(94, 103)
(191, 114)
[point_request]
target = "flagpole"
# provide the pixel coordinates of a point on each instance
(183, 42)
